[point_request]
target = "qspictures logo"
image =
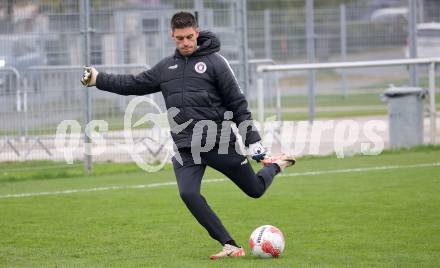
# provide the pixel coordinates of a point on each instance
(291, 137)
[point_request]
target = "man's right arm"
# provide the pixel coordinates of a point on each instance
(126, 84)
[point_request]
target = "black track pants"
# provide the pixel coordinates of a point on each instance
(235, 167)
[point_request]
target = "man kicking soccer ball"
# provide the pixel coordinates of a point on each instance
(199, 82)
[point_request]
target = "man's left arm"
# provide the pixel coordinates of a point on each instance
(235, 101)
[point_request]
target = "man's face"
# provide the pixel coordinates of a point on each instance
(186, 40)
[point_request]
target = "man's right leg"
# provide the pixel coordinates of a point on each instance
(189, 177)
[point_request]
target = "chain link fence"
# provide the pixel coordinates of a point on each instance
(42, 48)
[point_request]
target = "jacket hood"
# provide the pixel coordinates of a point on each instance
(208, 43)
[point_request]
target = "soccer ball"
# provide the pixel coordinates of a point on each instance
(267, 241)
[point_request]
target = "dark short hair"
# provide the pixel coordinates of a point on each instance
(182, 20)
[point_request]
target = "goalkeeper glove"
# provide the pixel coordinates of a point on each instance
(89, 76)
(257, 151)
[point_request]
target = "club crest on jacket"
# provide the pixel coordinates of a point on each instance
(200, 67)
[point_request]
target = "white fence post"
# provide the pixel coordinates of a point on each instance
(432, 112)
(260, 98)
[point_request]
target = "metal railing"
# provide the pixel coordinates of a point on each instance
(20, 107)
(356, 64)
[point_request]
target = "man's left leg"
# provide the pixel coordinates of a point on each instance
(238, 169)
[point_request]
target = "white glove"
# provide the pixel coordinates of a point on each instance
(89, 76)
(257, 151)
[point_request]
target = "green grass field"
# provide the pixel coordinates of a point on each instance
(361, 211)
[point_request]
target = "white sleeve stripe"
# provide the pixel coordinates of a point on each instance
(230, 69)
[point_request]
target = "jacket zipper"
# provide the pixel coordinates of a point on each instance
(183, 88)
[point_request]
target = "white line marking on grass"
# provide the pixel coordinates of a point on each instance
(154, 185)
(311, 173)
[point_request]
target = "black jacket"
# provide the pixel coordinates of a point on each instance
(202, 86)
